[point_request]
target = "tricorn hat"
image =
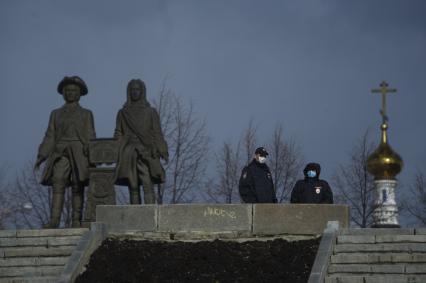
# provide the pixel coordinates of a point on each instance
(75, 80)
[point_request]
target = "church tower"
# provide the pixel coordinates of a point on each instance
(384, 164)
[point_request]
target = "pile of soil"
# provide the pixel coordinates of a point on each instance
(204, 261)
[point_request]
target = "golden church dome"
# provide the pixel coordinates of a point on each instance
(384, 163)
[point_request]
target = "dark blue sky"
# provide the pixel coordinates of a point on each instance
(309, 65)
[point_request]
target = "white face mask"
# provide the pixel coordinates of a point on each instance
(262, 159)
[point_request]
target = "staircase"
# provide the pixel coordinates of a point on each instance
(35, 255)
(378, 255)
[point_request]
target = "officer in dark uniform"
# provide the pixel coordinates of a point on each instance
(256, 185)
(312, 189)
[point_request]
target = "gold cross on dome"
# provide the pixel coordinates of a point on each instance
(384, 90)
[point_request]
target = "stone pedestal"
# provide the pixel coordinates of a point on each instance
(385, 214)
(101, 191)
(103, 154)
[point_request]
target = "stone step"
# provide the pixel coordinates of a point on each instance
(371, 239)
(379, 231)
(34, 261)
(30, 271)
(42, 233)
(36, 255)
(366, 268)
(44, 279)
(396, 247)
(36, 251)
(378, 258)
(378, 268)
(382, 278)
(40, 241)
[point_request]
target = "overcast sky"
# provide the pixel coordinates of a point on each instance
(309, 65)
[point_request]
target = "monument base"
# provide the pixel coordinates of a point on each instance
(243, 219)
(385, 226)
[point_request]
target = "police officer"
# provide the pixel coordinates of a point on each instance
(256, 185)
(312, 189)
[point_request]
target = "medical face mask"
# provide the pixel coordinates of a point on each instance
(262, 159)
(312, 174)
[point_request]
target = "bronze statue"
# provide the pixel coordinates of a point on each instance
(64, 148)
(142, 145)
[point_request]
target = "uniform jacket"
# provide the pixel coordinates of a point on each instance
(312, 190)
(139, 132)
(256, 185)
(70, 129)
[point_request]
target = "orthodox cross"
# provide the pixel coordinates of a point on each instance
(384, 90)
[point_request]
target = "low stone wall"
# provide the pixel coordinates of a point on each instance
(247, 220)
(194, 222)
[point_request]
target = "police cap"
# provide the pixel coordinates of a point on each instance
(261, 151)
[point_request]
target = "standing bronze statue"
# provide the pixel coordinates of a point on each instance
(65, 148)
(142, 145)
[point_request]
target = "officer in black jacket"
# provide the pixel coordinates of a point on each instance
(312, 189)
(256, 185)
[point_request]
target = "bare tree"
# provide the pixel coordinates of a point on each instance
(249, 141)
(415, 204)
(286, 161)
(228, 168)
(31, 201)
(164, 103)
(5, 207)
(355, 186)
(230, 161)
(188, 142)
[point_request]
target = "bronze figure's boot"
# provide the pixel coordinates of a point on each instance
(57, 204)
(148, 194)
(135, 196)
(77, 206)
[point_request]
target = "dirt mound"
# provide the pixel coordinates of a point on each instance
(205, 261)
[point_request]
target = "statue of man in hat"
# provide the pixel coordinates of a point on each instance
(64, 148)
(142, 145)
